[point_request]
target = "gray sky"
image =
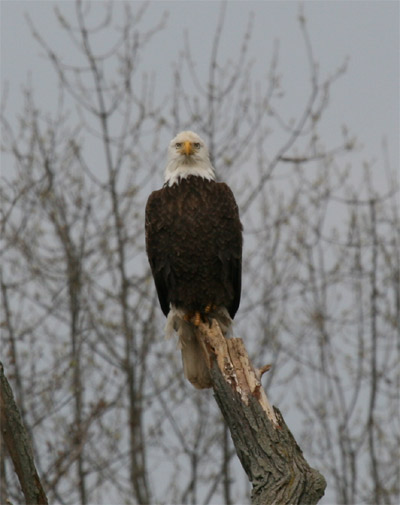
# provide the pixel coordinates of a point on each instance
(366, 99)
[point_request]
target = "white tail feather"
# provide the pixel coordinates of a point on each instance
(194, 364)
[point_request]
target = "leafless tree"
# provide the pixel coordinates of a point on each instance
(100, 391)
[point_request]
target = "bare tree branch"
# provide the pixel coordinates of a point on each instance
(266, 448)
(18, 445)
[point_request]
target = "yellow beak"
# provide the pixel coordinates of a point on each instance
(187, 148)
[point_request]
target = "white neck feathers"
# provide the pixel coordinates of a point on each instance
(177, 170)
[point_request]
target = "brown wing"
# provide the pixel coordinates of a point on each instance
(231, 243)
(157, 247)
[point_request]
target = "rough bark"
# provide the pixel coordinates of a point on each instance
(18, 445)
(265, 446)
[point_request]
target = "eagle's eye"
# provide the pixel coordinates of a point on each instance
(197, 145)
(178, 145)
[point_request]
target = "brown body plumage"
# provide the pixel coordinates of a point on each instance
(194, 245)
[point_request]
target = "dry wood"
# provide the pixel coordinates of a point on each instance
(266, 448)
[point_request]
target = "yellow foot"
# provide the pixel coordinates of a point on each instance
(196, 318)
(193, 317)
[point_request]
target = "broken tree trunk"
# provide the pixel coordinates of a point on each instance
(18, 445)
(266, 448)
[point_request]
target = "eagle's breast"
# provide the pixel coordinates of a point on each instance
(194, 244)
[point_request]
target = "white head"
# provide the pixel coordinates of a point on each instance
(188, 155)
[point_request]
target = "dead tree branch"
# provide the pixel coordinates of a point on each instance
(265, 446)
(18, 445)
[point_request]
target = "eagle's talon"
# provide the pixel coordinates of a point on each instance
(196, 318)
(211, 307)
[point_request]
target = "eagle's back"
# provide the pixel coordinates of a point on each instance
(194, 245)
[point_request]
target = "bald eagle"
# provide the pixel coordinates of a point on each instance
(194, 246)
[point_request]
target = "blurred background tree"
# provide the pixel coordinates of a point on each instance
(102, 393)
